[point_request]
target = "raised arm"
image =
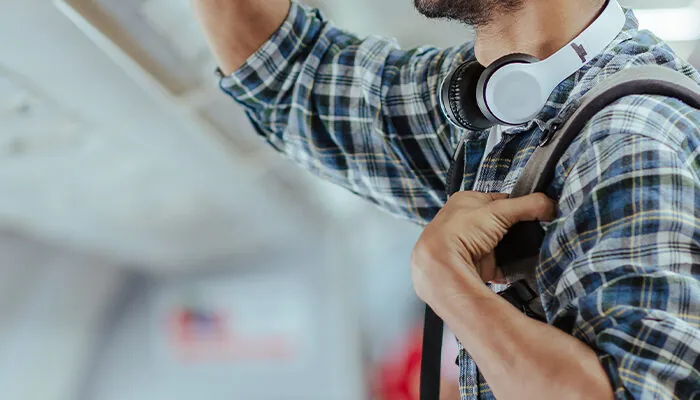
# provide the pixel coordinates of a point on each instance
(235, 29)
(361, 113)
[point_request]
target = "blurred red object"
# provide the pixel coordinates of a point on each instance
(398, 375)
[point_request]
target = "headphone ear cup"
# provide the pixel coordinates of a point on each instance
(458, 97)
(480, 91)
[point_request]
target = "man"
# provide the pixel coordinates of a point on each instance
(619, 269)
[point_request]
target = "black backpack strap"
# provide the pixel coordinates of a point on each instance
(431, 355)
(518, 252)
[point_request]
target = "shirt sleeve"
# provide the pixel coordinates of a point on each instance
(629, 237)
(361, 113)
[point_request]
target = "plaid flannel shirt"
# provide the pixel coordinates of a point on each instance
(620, 265)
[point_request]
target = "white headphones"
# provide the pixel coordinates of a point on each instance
(515, 88)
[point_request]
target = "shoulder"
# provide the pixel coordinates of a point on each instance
(636, 132)
(662, 120)
(659, 118)
(640, 135)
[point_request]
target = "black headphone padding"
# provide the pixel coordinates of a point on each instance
(458, 97)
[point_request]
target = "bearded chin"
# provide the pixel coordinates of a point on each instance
(446, 9)
(472, 12)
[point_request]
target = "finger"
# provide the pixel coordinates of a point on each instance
(497, 196)
(534, 207)
(487, 268)
(470, 199)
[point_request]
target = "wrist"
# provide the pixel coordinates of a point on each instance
(475, 301)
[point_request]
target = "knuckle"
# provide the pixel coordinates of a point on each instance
(468, 199)
(462, 195)
(501, 221)
(420, 253)
(424, 253)
(458, 199)
(497, 214)
(496, 206)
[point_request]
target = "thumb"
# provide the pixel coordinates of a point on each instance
(534, 207)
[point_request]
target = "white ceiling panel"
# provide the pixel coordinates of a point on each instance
(89, 160)
(119, 158)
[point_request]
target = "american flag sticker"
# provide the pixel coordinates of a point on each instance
(201, 335)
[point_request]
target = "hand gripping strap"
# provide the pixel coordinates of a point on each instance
(517, 253)
(539, 171)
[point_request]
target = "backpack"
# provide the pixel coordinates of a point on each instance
(518, 253)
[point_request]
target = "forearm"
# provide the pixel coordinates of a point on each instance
(522, 358)
(235, 29)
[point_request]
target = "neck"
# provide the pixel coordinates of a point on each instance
(539, 28)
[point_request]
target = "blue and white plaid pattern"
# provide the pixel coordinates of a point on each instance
(620, 266)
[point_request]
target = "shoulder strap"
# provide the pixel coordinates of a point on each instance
(539, 171)
(649, 80)
(431, 355)
(517, 253)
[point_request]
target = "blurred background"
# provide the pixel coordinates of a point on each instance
(151, 247)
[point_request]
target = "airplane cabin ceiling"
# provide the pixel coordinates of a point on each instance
(91, 158)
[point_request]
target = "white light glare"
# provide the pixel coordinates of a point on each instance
(671, 24)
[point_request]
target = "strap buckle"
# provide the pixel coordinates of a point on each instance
(522, 297)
